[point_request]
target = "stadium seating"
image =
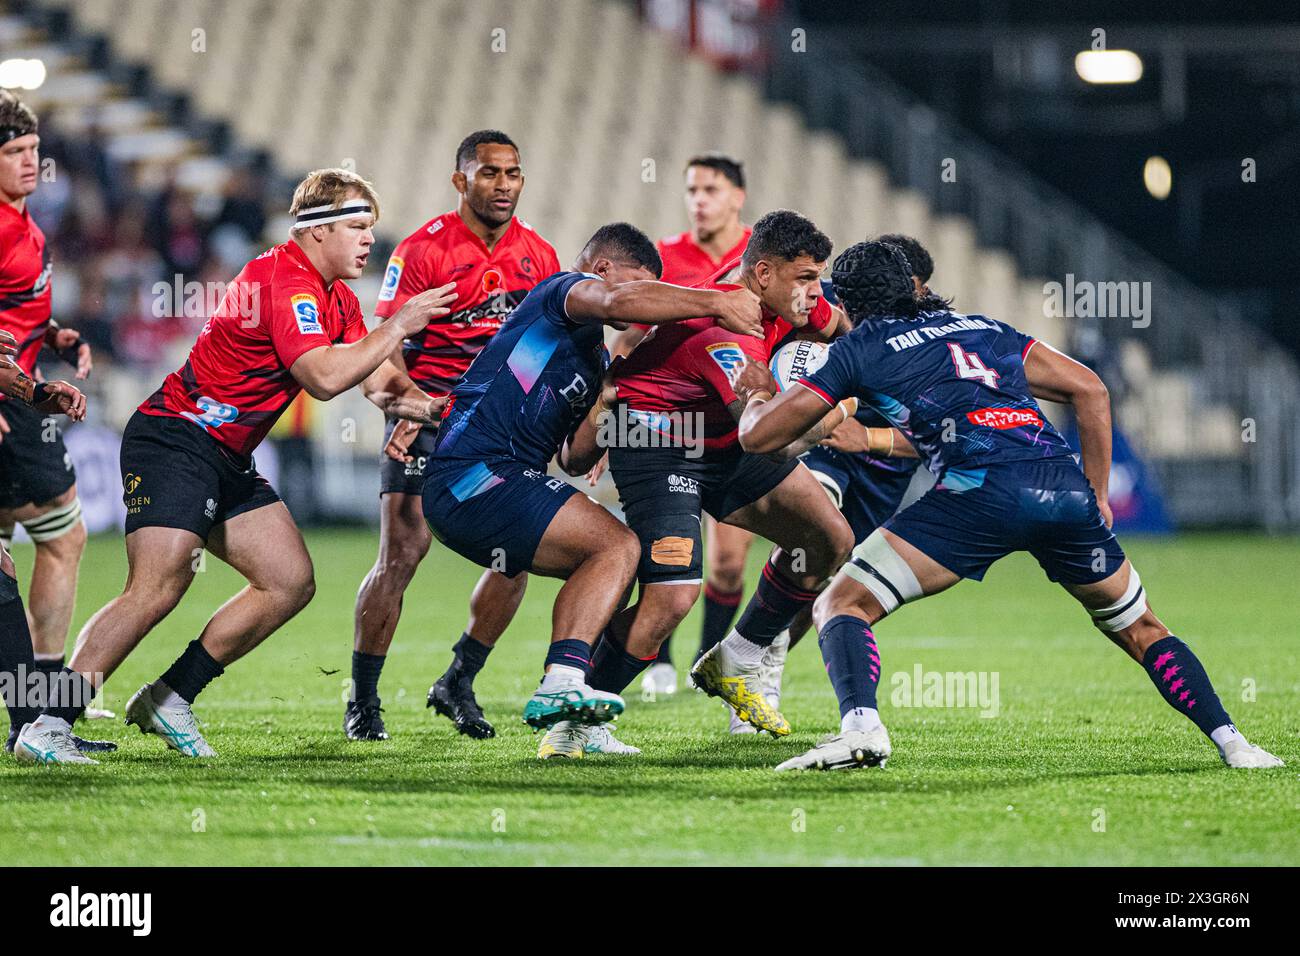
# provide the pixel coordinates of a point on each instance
(329, 82)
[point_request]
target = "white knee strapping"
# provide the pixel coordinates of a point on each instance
(877, 567)
(830, 487)
(1126, 610)
(55, 523)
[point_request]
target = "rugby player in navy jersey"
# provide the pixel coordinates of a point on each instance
(962, 388)
(521, 403)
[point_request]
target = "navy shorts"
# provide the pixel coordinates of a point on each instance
(970, 519)
(406, 477)
(663, 491)
(866, 494)
(494, 515)
(34, 465)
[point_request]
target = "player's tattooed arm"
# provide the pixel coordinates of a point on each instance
(55, 397)
(1055, 377)
(653, 303)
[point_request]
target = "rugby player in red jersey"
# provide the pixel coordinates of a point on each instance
(18, 665)
(494, 258)
(288, 323)
(40, 487)
(676, 454)
(715, 199)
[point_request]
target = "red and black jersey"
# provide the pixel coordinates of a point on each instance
(236, 381)
(690, 367)
(489, 284)
(686, 263)
(24, 283)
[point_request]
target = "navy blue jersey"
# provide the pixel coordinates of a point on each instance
(867, 416)
(529, 386)
(954, 384)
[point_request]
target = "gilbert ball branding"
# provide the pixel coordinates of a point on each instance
(78, 909)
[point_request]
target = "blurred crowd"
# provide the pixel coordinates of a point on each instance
(123, 254)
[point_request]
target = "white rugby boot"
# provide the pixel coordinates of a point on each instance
(48, 740)
(172, 720)
(845, 751)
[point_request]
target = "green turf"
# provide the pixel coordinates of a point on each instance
(1081, 740)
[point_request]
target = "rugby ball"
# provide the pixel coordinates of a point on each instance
(794, 360)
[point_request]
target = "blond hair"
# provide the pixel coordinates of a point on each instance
(330, 187)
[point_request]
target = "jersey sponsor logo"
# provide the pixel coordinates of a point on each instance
(728, 357)
(306, 313)
(1004, 418)
(437, 224)
(212, 413)
(392, 276)
(492, 281)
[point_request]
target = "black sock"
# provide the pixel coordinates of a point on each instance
(774, 605)
(70, 695)
(192, 671)
(16, 658)
(1183, 683)
(365, 675)
(719, 611)
(54, 664)
(612, 667)
(663, 657)
(470, 656)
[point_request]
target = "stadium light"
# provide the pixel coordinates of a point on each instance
(22, 74)
(1157, 177)
(1108, 66)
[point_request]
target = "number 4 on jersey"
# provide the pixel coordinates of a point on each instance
(970, 365)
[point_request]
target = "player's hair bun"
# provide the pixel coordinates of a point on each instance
(874, 278)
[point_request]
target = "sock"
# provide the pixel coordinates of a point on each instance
(70, 695)
(191, 672)
(366, 669)
(16, 660)
(860, 718)
(663, 657)
(773, 606)
(613, 668)
(52, 663)
(852, 661)
(719, 611)
(570, 653)
(1184, 685)
(470, 656)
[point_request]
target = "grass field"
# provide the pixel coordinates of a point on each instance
(1083, 763)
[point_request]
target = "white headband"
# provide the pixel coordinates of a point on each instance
(319, 215)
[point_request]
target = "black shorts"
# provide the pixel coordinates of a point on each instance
(175, 476)
(406, 477)
(663, 491)
(32, 469)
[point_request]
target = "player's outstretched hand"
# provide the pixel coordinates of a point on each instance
(740, 311)
(399, 442)
(61, 397)
(412, 317)
(1106, 515)
(850, 437)
(62, 340)
(754, 377)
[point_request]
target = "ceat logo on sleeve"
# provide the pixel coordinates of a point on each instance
(392, 276)
(307, 313)
(729, 358)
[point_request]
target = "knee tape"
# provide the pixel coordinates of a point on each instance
(1126, 610)
(55, 523)
(877, 567)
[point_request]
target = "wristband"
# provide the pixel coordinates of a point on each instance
(40, 392)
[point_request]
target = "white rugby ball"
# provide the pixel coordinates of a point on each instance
(794, 360)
